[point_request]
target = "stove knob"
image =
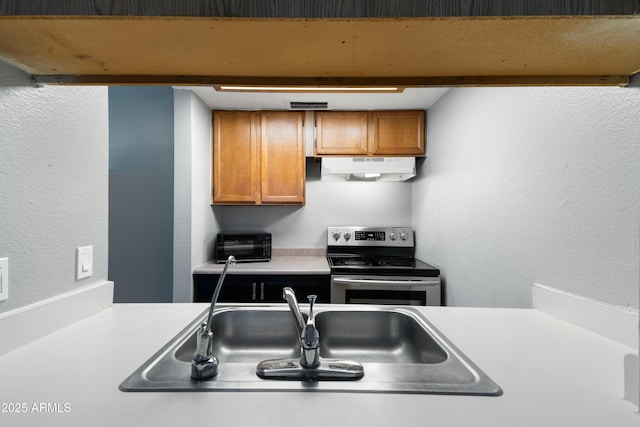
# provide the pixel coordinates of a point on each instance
(347, 236)
(336, 235)
(403, 236)
(392, 236)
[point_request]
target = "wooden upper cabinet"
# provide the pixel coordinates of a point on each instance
(342, 132)
(372, 133)
(258, 158)
(283, 158)
(235, 157)
(397, 133)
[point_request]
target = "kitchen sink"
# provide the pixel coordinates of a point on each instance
(400, 350)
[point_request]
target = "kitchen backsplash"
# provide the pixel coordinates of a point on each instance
(328, 204)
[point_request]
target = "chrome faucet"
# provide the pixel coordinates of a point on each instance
(298, 320)
(309, 366)
(308, 333)
(205, 364)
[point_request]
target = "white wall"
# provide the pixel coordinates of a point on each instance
(328, 203)
(205, 224)
(527, 185)
(53, 188)
(195, 225)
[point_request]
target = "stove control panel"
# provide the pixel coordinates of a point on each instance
(370, 236)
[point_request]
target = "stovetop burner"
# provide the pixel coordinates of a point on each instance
(359, 261)
(397, 262)
(352, 263)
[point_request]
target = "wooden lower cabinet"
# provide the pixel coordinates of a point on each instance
(258, 158)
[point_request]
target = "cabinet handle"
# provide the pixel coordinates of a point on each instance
(262, 291)
(253, 291)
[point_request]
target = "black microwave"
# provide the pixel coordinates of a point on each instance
(245, 247)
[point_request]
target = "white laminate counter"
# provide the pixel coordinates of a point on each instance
(552, 374)
(279, 264)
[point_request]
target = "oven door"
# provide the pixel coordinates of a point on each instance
(394, 290)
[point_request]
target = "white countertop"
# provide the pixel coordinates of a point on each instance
(552, 374)
(279, 264)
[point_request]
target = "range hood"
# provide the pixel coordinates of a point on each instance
(368, 168)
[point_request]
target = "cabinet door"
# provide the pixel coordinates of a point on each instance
(249, 288)
(397, 133)
(270, 288)
(235, 157)
(282, 157)
(342, 133)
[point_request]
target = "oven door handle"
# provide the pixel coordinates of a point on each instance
(430, 281)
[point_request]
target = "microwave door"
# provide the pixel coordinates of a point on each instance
(240, 247)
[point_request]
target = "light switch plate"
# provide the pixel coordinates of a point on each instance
(84, 262)
(4, 279)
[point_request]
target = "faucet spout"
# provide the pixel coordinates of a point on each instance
(298, 320)
(307, 332)
(230, 261)
(205, 364)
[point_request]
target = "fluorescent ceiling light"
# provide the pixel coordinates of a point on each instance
(231, 88)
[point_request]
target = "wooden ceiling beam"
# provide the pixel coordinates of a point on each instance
(455, 51)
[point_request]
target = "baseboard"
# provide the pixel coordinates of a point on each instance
(614, 322)
(30, 323)
(617, 323)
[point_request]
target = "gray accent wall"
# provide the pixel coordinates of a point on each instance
(141, 193)
(53, 188)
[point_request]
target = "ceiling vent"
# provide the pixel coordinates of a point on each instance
(308, 105)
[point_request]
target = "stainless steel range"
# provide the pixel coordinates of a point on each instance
(376, 265)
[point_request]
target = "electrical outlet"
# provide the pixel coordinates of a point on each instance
(84, 262)
(4, 279)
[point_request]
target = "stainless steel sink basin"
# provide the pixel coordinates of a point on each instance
(400, 350)
(377, 337)
(247, 336)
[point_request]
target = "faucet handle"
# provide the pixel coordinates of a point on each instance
(312, 300)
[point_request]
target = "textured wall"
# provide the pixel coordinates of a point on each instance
(141, 193)
(527, 185)
(195, 225)
(53, 188)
